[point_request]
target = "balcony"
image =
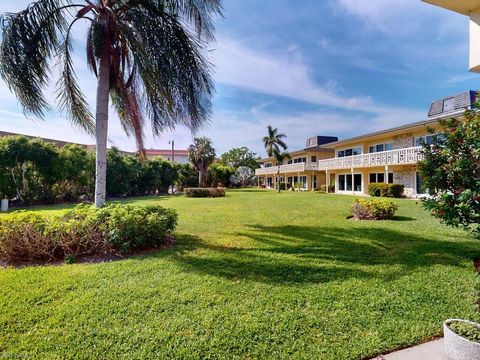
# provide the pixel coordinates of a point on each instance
(392, 157)
(287, 169)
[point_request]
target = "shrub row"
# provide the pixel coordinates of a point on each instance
(373, 209)
(34, 171)
(84, 230)
(204, 192)
(385, 190)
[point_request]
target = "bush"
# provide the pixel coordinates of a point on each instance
(204, 192)
(323, 188)
(84, 230)
(373, 209)
(385, 190)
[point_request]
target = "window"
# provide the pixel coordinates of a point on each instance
(380, 178)
(380, 147)
(268, 165)
(349, 182)
(300, 160)
(289, 161)
(313, 159)
(421, 188)
(349, 152)
(428, 139)
(314, 181)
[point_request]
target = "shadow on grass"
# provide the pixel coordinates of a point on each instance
(299, 254)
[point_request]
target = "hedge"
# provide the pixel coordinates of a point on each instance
(204, 192)
(323, 188)
(385, 190)
(84, 230)
(373, 209)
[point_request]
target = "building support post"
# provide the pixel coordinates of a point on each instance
(327, 182)
(353, 181)
(386, 174)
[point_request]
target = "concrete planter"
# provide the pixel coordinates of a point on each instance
(456, 346)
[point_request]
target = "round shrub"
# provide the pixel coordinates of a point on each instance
(204, 192)
(373, 209)
(84, 230)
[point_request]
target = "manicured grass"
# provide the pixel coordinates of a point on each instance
(254, 275)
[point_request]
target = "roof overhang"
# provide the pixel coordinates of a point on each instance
(464, 7)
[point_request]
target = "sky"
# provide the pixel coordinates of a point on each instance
(311, 67)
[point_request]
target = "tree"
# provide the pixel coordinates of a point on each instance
(147, 56)
(219, 174)
(187, 176)
(29, 169)
(241, 156)
(244, 176)
(280, 157)
(274, 141)
(451, 172)
(201, 154)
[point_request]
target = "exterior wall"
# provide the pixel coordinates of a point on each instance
(181, 159)
(406, 177)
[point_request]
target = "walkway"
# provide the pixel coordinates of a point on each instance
(432, 350)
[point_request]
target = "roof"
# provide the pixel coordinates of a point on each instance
(426, 122)
(166, 152)
(461, 6)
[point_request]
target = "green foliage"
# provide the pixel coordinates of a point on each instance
(29, 169)
(451, 172)
(187, 176)
(84, 230)
(241, 156)
(323, 188)
(373, 209)
(219, 174)
(385, 190)
(201, 153)
(274, 141)
(204, 192)
(467, 330)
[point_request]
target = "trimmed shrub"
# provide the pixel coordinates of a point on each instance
(84, 230)
(204, 192)
(323, 188)
(385, 190)
(373, 209)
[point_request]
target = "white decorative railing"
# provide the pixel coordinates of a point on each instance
(392, 157)
(285, 169)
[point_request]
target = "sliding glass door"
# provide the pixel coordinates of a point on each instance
(349, 182)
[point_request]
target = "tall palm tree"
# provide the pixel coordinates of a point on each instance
(147, 55)
(201, 154)
(280, 157)
(273, 141)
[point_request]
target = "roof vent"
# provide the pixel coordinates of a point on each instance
(451, 104)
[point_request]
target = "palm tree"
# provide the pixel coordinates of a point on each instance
(273, 141)
(147, 56)
(280, 157)
(201, 154)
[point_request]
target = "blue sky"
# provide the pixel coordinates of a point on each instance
(341, 68)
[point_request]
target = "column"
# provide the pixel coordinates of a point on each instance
(327, 180)
(386, 174)
(353, 182)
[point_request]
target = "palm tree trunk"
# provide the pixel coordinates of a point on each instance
(101, 124)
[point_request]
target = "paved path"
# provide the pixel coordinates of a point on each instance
(432, 350)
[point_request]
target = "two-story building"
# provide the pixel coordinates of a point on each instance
(301, 168)
(385, 156)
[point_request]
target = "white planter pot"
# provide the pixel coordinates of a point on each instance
(456, 346)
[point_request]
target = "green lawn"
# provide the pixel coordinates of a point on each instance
(254, 275)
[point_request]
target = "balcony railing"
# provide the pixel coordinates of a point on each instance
(286, 169)
(409, 155)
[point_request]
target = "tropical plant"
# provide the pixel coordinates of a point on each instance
(241, 156)
(201, 154)
(274, 141)
(243, 176)
(280, 157)
(219, 174)
(451, 172)
(148, 57)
